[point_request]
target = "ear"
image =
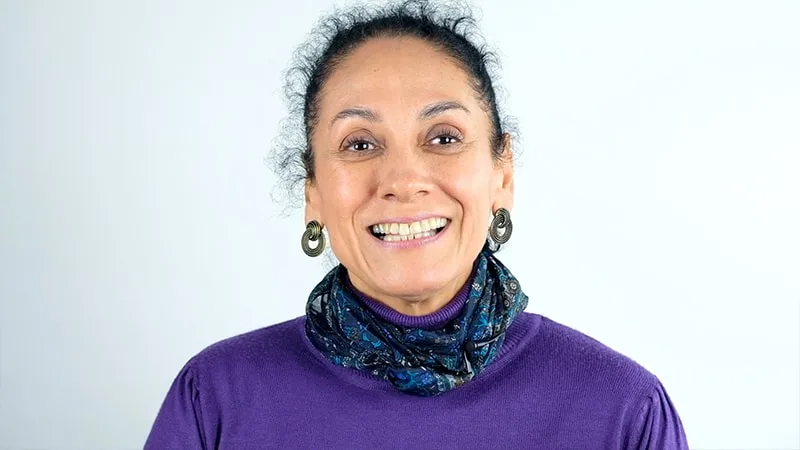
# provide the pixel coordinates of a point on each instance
(504, 194)
(312, 211)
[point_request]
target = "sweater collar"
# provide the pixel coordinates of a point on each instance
(430, 321)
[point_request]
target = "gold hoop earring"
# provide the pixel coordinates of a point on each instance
(501, 227)
(313, 233)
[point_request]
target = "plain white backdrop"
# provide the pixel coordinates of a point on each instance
(657, 208)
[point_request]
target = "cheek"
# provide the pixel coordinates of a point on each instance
(469, 181)
(341, 191)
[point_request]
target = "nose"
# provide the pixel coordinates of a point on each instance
(404, 175)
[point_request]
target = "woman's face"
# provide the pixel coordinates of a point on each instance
(405, 182)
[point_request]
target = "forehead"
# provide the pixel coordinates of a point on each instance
(395, 72)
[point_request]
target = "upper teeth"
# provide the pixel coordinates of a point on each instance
(405, 229)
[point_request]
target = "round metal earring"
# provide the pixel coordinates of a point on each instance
(501, 227)
(313, 233)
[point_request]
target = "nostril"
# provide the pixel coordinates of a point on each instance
(403, 187)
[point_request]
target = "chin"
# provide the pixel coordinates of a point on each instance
(414, 285)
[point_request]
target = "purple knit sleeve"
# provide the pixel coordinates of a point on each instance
(178, 424)
(657, 426)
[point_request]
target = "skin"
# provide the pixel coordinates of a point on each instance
(402, 133)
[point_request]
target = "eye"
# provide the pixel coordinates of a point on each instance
(446, 136)
(358, 144)
(444, 140)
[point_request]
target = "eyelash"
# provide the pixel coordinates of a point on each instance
(353, 140)
(446, 133)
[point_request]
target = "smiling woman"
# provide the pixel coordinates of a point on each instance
(419, 338)
(408, 142)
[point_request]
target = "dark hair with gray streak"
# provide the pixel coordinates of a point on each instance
(449, 27)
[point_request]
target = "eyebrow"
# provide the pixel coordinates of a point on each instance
(438, 108)
(426, 113)
(358, 111)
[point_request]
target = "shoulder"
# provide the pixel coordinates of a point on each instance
(585, 363)
(257, 349)
(595, 387)
(229, 378)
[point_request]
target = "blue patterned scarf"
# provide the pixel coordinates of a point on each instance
(415, 360)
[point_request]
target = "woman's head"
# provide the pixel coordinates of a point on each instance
(405, 157)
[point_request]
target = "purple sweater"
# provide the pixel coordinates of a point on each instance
(550, 387)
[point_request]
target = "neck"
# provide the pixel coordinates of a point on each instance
(413, 306)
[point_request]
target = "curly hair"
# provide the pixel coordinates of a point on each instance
(450, 27)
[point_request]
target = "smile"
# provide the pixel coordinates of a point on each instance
(392, 232)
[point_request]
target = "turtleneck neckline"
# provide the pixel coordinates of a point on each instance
(434, 320)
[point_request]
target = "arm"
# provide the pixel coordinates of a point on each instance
(179, 422)
(657, 425)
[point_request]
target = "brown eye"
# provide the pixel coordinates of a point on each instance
(444, 140)
(446, 136)
(358, 144)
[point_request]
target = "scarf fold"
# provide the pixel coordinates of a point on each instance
(416, 361)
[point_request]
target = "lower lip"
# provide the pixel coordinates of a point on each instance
(412, 243)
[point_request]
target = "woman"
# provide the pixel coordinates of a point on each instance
(419, 338)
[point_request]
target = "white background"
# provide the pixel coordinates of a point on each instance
(657, 207)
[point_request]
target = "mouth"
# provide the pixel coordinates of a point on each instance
(409, 231)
